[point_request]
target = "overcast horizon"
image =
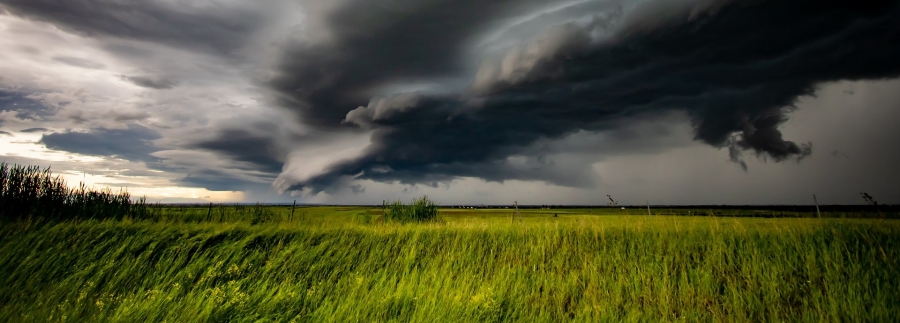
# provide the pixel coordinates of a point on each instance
(666, 102)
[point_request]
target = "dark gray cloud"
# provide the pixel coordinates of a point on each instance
(371, 43)
(125, 116)
(11, 100)
(215, 180)
(603, 13)
(209, 27)
(260, 151)
(149, 82)
(27, 108)
(736, 72)
(79, 62)
(30, 130)
(6, 133)
(134, 143)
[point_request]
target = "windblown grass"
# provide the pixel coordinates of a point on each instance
(29, 192)
(32, 192)
(327, 268)
(128, 261)
(419, 210)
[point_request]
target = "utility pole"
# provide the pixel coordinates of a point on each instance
(648, 209)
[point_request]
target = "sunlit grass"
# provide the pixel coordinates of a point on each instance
(326, 265)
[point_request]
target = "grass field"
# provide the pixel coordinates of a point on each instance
(341, 264)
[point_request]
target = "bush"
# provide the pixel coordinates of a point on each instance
(364, 217)
(419, 210)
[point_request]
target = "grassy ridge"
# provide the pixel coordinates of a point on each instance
(329, 268)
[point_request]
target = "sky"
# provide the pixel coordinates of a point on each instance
(666, 102)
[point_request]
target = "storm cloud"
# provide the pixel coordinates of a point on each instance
(149, 82)
(30, 130)
(206, 26)
(134, 143)
(370, 43)
(260, 151)
(79, 62)
(557, 101)
(735, 68)
(22, 104)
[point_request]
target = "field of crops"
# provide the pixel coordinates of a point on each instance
(343, 264)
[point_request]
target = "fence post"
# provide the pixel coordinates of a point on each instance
(515, 215)
(817, 206)
(292, 210)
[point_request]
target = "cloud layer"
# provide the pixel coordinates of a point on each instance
(735, 68)
(365, 98)
(206, 26)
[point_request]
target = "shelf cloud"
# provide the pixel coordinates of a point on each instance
(735, 68)
(348, 100)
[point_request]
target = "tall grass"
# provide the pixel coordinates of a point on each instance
(207, 263)
(32, 192)
(589, 270)
(419, 210)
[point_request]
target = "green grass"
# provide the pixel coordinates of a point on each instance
(331, 265)
(31, 193)
(419, 210)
